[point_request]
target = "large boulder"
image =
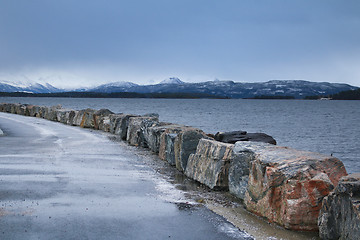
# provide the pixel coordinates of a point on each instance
(99, 115)
(61, 115)
(42, 111)
(35, 111)
(65, 116)
(136, 128)
(20, 109)
(185, 143)
(120, 123)
(233, 137)
(84, 118)
(2, 107)
(88, 119)
(6, 107)
(169, 150)
(51, 112)
(340, 213)
(153, 135)
(29, 111)
(210, 164)
(239, 170)
(13, 107)
(104, 124)
(113, 121)
(286, 185)
(167, 141)
(177, 142)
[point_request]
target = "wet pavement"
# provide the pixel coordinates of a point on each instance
(63, 182)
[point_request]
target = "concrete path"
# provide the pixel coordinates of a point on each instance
(63, 182)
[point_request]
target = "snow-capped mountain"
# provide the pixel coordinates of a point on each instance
(31, 87)
(295, 88)
(172, 80)
(114, 87)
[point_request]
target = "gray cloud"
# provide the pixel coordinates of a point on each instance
(139, 40)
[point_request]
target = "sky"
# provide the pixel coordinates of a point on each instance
(71, 43)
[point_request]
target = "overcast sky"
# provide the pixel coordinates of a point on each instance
(88, 42)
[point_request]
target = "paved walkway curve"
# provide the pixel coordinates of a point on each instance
(63, 182)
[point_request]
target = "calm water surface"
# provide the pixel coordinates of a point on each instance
(328, 127)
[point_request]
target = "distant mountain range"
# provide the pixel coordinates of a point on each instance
(30, 87)
(228, 89)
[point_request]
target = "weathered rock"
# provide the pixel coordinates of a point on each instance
(9, 107)
(36, 111)
(210, 164)
(136, 128)
(153, 134)
(88, 119)
(78, 118)
(286, 185)
(167, 139)
(239, 171)
(185, 144)
(233, 137)
(42, 112)
(20, 109)
(84, 118)
(120, 123)
(65, 116)
(169, 147)
(61, 115)
(2, 107)
(104, 124)
(98, 115)
(339, 216)
(6, 107)
(177, 142)
(13, 108)
(114, 120)
(51, 113)
(29, 111)
(70, 117)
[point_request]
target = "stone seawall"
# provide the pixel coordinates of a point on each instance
(283, 185)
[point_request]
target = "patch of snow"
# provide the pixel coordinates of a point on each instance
(119, 84)
(295, 89)
(221, 82)
(17, 84)
(172, 80)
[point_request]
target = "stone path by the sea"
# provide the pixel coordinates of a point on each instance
(63, 182)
